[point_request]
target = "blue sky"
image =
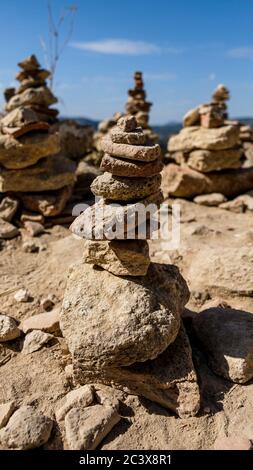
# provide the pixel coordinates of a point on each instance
(184, 47)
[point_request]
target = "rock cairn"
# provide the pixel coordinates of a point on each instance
(138, 106)
(34, 175)
(208, 154)
(96, 155)
(121, 313)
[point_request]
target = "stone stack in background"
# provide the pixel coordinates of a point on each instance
(121, 314)
(246, 137)
(138, 106)
(96, 154)
(33, 172)
(208, 155)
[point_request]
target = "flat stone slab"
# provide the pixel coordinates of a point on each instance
(118, 188)
(122, 258)
(227, 337)
(169, 380)
(214, 160)
(99, 221)
(184, 182)
(136, 137)
(111, 321)
(143, 153)
(48, 204)
(194, 138)
(28, 150)
(122, 167)
(49, 174)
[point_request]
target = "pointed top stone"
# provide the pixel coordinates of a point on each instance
(29, 63)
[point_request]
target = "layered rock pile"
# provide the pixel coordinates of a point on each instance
(33, 172)
(121, 313)
(138, 106)
(208, 154)
(96, 155)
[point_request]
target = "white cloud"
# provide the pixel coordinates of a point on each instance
(241, 53)
(118, 46)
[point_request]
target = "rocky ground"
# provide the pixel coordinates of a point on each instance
(216, 258)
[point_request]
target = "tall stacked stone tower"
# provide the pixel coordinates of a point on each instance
(138, 106)
(121, 312)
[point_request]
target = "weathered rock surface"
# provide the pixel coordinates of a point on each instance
(8, 208)
(121, 167)
(132, 320)
(22, 295)
(35, 340)
(122, 258)
(86, 428)
(169, 380)
(211, 200)
(49, 204)
(8, 328)
(192, 117)
(34, 229)
(28, 150)
(79, 398)
(49, 174)
(47, 322)
(131, 152)
(7, 230)
(136, 137)
(184, 182)
(6, 410)
(26, 429)
(100, 220)
(241, 203)
(193, 138)
(227, 337)
(209, 160)
(40, 96)
(126, 189)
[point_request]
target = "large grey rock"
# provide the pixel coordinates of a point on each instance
(49, 174)
(122, 258)
(27, 150)
(99, 221)
(8, 328)
(169, 380)
(227, 338)
(184, 182)
(110, 321)
(26, 429)
(87, 427)
(143, 153)
(213, 160)
(118, 188)
(193, 138)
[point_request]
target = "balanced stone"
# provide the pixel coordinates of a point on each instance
(129, 321)
(130, 168)
(127, 124)
(27, 150)
(169, 380)
(41, 95)
(125, 189)
(49, 174)
(193, 138)
(103, 217)
(122, 258)
(136, 137)
(132, 152)
(215, 160)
